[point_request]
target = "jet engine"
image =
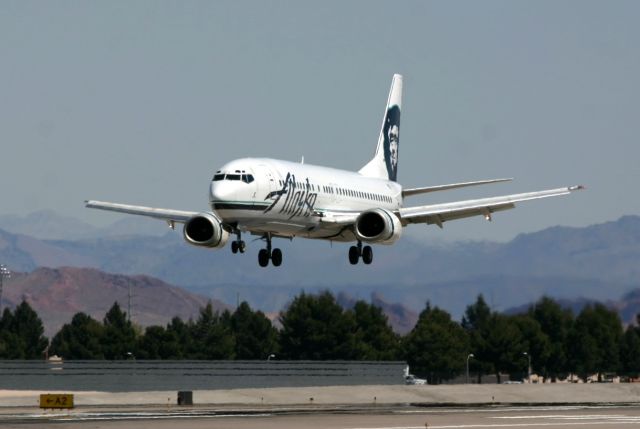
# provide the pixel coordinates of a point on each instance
(205, 229)
(378, 226)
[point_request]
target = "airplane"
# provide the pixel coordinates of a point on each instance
(273, 198)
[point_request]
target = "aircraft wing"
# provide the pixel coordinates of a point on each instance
(164, 214)
(439, 213)
(415, 191)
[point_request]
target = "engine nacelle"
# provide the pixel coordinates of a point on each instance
(205, 229)
(378, 226)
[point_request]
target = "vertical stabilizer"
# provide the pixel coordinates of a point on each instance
(385, 161)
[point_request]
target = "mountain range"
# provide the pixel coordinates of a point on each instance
(598, 262)
(57, 294)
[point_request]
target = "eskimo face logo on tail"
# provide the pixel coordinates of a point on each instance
(391, 135)
(299, 200)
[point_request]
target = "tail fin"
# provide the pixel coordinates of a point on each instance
(385, 161)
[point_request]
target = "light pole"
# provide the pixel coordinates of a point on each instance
(469, 356)
(4, 272)
(271, 356)
(528, 367)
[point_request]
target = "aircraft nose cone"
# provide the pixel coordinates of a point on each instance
(220, 191)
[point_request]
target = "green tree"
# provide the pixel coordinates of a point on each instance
(211, 336)
(437, 346)
(255, 336)
(476, 322)
(630, 351)
(556, 323)
(22, 334)
(315, 327)
(374, 338)
(535, 343)
(80, 339)
(158, 343)
(183, 334)
(28, 326)
(11, 346)
(119, 339)
(594, 341)
(504, 345)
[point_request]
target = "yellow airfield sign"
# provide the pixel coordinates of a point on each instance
(63, 400)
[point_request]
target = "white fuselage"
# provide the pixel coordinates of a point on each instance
(288, 199)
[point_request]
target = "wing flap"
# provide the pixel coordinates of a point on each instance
(180, 216)
(439, 213)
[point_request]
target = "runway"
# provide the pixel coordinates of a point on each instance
(345, 418)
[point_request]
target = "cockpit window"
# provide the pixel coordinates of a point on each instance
(246, 178)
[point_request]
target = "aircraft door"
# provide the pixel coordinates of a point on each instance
(266, 185)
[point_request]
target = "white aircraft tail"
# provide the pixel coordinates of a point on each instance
(385, 161)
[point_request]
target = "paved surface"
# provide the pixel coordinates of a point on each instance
(402, 418)
(358, 395)
(346, 407)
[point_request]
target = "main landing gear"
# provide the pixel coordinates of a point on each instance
(265, 254)
(355, 252)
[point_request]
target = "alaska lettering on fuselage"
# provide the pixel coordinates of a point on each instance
(299, 200)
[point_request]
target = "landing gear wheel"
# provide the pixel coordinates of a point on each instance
(354, 255)
(242, 246)
(234, 247)
(263, 257)
(276, 257)
(367, 255)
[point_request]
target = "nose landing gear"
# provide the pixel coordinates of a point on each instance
(238, 245)
(355, 252)
(265, 254)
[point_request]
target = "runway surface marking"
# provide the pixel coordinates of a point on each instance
(552, 420)
(501, 425)
(125, 416)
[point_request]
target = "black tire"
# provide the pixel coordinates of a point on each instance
(276, 257)
(263, 258)
(242, 246)
(367, 255)
(354, 255)
(234, 247)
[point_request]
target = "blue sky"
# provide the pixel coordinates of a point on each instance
(140, 102)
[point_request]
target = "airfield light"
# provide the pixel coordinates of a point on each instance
(469, 356)
(528, 356)
(4, 273)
